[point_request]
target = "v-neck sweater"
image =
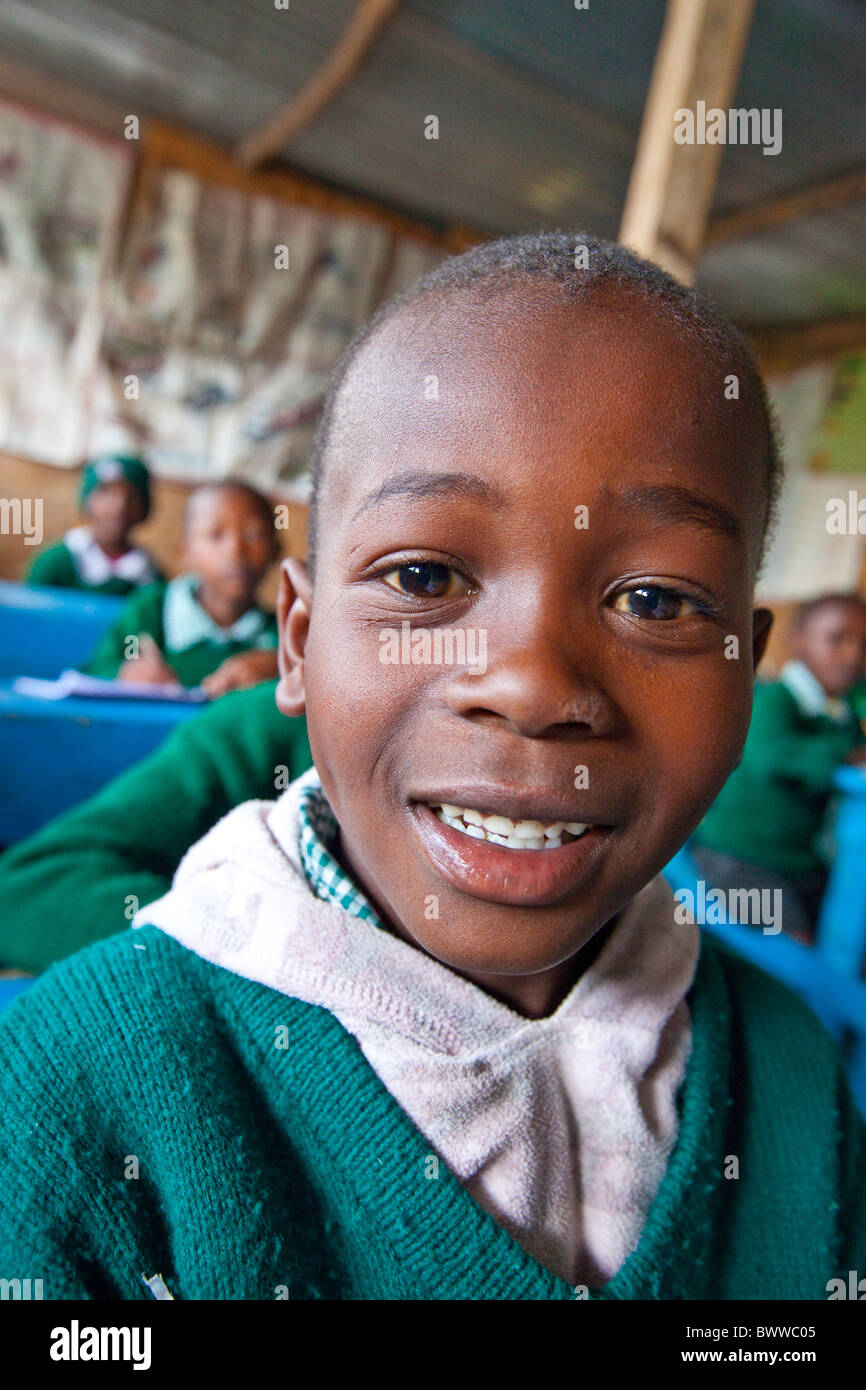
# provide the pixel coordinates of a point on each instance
(151, 1124)
(559, 1126)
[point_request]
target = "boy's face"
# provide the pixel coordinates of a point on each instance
(622, 646)
(229, 542)
(114, 508)
(832, 643)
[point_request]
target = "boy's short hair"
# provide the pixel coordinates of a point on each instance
(495, 267)
(261, 503)
(805, 612)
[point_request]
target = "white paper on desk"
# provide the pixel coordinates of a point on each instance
(72, 683)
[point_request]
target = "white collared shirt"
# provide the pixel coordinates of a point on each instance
(95, 567)
(185, 622)
(810, 694)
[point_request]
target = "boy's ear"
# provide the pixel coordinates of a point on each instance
(294, 606)
(762, 621)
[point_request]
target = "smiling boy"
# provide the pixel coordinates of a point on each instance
(401, 1054)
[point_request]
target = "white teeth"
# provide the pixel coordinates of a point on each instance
(498, 825)
(502, 830)
(529, 829)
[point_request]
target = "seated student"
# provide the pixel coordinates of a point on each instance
(100, 556)
(762, 829)
(428, 1026)
(204, 627)
(83, 875)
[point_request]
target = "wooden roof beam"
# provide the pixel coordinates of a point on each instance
(826, 196)
(786, 347)
(671, 186)
(324, 86)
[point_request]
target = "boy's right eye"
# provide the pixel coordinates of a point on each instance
(426, 579)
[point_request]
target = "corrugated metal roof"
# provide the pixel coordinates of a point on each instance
(539, 107)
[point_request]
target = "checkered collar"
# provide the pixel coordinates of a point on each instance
(316, 840)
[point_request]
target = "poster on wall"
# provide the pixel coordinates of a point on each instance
(225, 322)
(821, 413)
(61, 199)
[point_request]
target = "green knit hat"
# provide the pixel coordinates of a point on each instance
(108, 468)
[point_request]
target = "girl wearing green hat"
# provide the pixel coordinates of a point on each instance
(99, 556)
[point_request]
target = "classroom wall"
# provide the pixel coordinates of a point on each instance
(161, 534)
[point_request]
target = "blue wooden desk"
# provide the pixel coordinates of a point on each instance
(838, 997)
(53, 754)
(45, 631)
(841, 936)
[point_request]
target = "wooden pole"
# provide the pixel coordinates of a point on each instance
(671, 187)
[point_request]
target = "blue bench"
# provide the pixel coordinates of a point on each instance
(837, 996)
(45, 631)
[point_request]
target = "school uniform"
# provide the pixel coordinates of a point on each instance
(763, 828)
(189, 639)
(78, 562)
(352, 1109)
(70, 884)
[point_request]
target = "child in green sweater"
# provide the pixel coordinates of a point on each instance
(763, 828)
(204, 627)
(100, 556)
(428, 1026)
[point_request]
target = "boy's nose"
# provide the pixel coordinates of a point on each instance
(535, 693)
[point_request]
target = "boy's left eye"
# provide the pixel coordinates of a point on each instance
(426, 579)
(650, 601)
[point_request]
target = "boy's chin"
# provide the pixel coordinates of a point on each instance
(526, 946)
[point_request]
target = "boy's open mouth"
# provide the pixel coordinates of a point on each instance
(489, 853)
(504, 830)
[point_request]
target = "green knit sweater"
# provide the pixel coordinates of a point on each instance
(771, 808)
(150, 1125)
(82, 876)
(143, 612)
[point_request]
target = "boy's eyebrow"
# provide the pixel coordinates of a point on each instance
(419, 483)
(664, 502)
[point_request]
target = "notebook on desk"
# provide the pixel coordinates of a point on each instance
(76, 683)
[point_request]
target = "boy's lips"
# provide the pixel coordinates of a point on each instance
(503, 872)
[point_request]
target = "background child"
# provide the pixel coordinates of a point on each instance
(204, 627)
(100, 556)
(428, 1027)
(762, 830)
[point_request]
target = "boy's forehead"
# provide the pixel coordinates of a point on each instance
(533, 376)
(206, 502)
